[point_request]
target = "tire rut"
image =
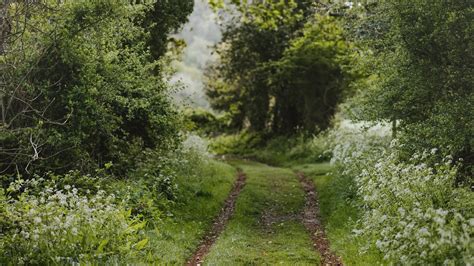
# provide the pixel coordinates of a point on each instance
(312, 222)
(219, 222)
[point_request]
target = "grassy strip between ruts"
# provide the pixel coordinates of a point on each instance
(266, 227)
(176, 237)
(339, 215)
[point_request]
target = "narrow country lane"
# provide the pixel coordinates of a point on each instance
(267, 227)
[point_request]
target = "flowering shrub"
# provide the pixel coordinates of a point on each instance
(61, 226)
(411, 208)
(416, 213)
(354, 144)
(195, 144)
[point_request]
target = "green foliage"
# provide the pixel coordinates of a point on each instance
(315, 71)
(164, 18)
(293, 77)
(412, 210)
(239, 144)
(238, 83)
(205, 122)
(416, 213)
(281, 151)
(100, 219)
(419, 61)
(64, 225)
(284, 151)
(85, 90)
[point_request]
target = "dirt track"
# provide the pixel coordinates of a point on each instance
(219, 222)
(312, 222)
(310, 218)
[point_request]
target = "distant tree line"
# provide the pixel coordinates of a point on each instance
(282, 68)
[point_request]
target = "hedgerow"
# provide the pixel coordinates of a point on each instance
(412, 209)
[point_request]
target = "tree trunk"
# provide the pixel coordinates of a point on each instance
(394, 128)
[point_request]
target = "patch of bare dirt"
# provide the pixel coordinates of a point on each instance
(312, 222)
(270, 218)
(219, 222)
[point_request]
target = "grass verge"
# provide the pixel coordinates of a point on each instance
(175, 238)
(339, 214)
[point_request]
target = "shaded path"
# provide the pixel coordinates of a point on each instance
(219, 222)
(312, 222)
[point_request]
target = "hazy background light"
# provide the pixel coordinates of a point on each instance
(201, 33)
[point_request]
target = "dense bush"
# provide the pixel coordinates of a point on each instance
(240, 144)
(82, 89)
(274, 150)
(88, 132)
(157, 184)
(98, 219)
(412, 210)
(205, 122)
(415, 211)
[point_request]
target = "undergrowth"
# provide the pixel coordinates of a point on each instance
(156, 215)
(277, 150)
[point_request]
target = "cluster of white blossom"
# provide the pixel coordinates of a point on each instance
(412, 209)
(194, 143)
(61, 226)
(351, 143)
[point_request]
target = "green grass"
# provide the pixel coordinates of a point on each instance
(339, 214)
(337, 200)
(281, 151)
(175, 238)
(273, 192)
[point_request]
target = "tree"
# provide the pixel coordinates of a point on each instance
(316, 72)
(162, 19)
(84, 89)
(277, 74)
(420, 69)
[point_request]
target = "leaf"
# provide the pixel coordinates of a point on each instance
(139, 226)
(104, 242)
(135, 227)
(140, 245)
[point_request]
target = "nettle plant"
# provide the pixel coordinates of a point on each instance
(412, 209)
(58, 225)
